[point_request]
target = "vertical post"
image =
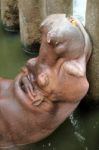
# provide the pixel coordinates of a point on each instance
(92, 25)
(9, 15)
(30, 19)
(57, 6)
(68, 7)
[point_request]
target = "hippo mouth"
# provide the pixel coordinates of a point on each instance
(26, 89)
(27, 85)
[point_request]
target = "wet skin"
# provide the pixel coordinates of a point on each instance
(46, 91)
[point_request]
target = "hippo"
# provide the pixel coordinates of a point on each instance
(49, 87)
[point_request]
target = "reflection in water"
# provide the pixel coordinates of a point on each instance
(79, 137)
(76, 126)
(74, 122)
(77, 129)
(79, 132)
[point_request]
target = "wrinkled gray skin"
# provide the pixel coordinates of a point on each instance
(49, 87)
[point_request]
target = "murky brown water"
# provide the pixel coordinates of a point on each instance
(79, 132)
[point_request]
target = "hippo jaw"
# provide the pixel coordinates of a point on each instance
(28, 91)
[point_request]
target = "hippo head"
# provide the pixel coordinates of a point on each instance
(59, 72)
(49, 87)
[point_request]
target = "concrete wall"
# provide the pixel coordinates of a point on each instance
(56, 6)
(92, 25)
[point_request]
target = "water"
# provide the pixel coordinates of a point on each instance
(79, 132)
(11, 54)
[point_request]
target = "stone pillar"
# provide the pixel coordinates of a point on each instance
(92, 25)
(68, 7)
(30, 19)
(57, 6)
(9, 15)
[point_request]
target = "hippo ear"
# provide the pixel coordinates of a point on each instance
(48, 38)
(88, 44)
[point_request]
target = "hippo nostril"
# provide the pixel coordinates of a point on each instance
(22, 86)
(43, 79)
(31, 63)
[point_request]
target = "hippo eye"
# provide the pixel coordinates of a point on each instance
(58, 43)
